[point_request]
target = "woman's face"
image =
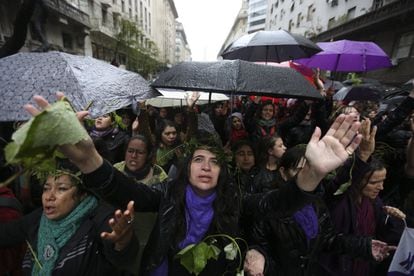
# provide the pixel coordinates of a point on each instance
(267, 112)
(244, 158)
(350, 110)
(375, 184)
(178, 119)
(136, 155)
(236, 123)
(169, 136)
(163, 113)
(60, 197)
(103, 122)
(204, 172)
(278, 148)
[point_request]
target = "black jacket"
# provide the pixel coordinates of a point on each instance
(84, 254)
(281, 240)
(117, 189)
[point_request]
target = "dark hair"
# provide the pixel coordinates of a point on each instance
(65, 167)
(163, 124)
(292, 157)
(262, 105)
(226, 206)
(240, 143)
(266, 144)
(358, 185)
(148, 146)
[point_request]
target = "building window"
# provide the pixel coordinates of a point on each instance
(290, 25)
(149, 23)
(114, 2)
(351, 13)
(277, 4)
(298, 19)
(67, 41)
(311, 10)
(258, 22)
(141, 15)
(115, 20)
(282, 12)
(146, 19)
(130, 2)
(404, 48)
(130, 13)
(123, 6)
(104, 16)
(331, 22)
(292, 8)
(136, 5)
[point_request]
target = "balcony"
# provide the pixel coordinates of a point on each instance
(63, 8)
(377, 16)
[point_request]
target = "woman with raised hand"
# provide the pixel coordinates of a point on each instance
(202, 201)
(71, 233)
(291, 225)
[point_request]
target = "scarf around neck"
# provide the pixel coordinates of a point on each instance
(141, 173)
(308, 221)
(94, 133)
(199, 213)
(267, 123)
(54, 234)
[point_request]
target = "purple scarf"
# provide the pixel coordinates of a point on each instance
(199, 213)
(308, 221)
(94, 133)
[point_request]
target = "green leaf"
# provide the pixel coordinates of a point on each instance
(194, 257)
(35, 144)
(231, 251)
(342, 189)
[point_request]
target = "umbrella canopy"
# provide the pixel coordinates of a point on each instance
(348, 56)
(335, 85)
(237, 77)
(84, 80)
(358, 93)
(177, 98)
(275, 46)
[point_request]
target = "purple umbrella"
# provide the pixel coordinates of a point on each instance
(348, 56)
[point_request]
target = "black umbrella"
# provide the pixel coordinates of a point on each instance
(275, 46)
(84, 80)
(237, 77)
(358, 93)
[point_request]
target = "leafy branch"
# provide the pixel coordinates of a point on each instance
(194, 257)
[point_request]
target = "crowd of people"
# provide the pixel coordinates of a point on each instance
(312, 187)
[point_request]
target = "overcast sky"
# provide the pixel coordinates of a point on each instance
(207, 24)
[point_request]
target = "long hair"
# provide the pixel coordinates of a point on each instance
(359, 184)
(226, 205)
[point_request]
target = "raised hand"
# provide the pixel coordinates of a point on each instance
(367, 145)
(326, 154)
(82, 154)
(191, 100)
(121, 225)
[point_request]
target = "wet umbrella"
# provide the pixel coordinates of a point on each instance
(84, 80)
(274, 46)
(333, 84)
(177, 98)
(348, 56)
(358, 93)
(237, 77)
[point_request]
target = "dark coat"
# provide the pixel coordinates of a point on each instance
(117, 189)
(282, 241)
(94, 256)
(343, 212)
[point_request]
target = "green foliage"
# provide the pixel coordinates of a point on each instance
(35, 144)
(139, 59)
(356, 80)
(194, 257)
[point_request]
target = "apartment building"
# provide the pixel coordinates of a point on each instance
(66, 26)
(256, 20)
(182, 49)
